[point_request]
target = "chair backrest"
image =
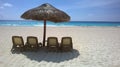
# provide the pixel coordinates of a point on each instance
(52, 41)
(66, 41)
(17, 40)
(31, 40)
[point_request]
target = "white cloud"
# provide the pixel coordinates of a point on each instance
(7, 5)
(4, 5)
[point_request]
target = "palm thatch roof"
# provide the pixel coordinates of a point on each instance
(46, 12)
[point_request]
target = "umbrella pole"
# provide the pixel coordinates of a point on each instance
(44, 33)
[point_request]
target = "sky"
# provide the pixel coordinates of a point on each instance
(78, 10)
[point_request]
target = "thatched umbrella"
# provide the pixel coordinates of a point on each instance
(46, 12)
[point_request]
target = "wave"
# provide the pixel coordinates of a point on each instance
(64, 24)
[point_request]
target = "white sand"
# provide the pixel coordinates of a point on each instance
(93, 47)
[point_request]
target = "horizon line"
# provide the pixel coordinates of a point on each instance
(68, 21)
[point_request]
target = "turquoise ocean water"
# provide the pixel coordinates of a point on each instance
(71, 23)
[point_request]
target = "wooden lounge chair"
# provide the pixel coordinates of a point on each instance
(52, 44)
(17, 43)
(66, 44)
(32, 43)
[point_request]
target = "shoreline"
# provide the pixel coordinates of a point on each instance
(63, 26)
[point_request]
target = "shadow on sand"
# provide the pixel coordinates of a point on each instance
(43, 55)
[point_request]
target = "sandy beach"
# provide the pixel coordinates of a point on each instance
(93, 47)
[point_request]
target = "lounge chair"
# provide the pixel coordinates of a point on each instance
(66, 44)
(32, 43)
(17, 43)
(52, 43)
